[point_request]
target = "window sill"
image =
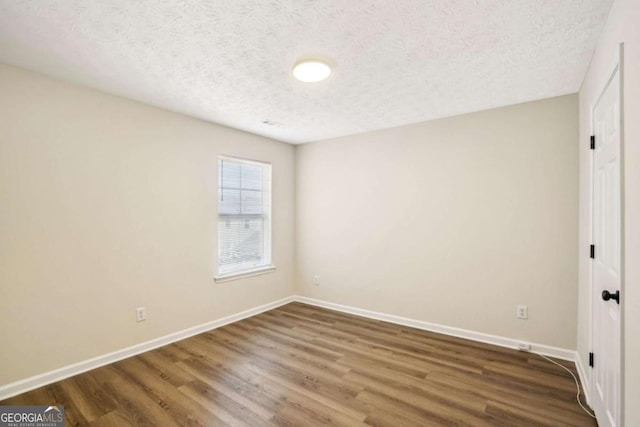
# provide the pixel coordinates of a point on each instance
(242, 274)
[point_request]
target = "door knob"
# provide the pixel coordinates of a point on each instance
(606, 295)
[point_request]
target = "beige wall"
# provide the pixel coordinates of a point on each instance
(107, 205)
(454, 221)
(622, 26)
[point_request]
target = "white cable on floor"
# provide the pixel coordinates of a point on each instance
(574, 379)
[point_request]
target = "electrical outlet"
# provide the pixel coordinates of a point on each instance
(316, 280)
(522, 312)
(524, 346)
(141, 314)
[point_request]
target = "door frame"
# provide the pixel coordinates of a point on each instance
(617, 65)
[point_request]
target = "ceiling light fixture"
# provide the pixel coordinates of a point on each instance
(311, 70)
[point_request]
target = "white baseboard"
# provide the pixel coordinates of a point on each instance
(27, 384)
(559, 353)
(585, 380)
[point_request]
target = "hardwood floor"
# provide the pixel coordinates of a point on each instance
(299, 365)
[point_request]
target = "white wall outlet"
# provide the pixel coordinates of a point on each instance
(524, 346)
(316, 280)
(522, 312)
(141, 314)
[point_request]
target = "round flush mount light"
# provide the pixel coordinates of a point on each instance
(311, 70)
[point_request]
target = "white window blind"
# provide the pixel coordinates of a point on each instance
(244, 216)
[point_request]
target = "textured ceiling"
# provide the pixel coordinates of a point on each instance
(229, 61)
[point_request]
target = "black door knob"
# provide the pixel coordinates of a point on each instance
(606, 295)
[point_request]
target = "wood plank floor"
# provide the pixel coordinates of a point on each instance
(299, 365)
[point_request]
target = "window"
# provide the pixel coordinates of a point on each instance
(244, 218)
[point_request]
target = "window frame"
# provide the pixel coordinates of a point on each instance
(267, 237)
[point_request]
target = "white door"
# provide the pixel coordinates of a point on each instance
(606, 262)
